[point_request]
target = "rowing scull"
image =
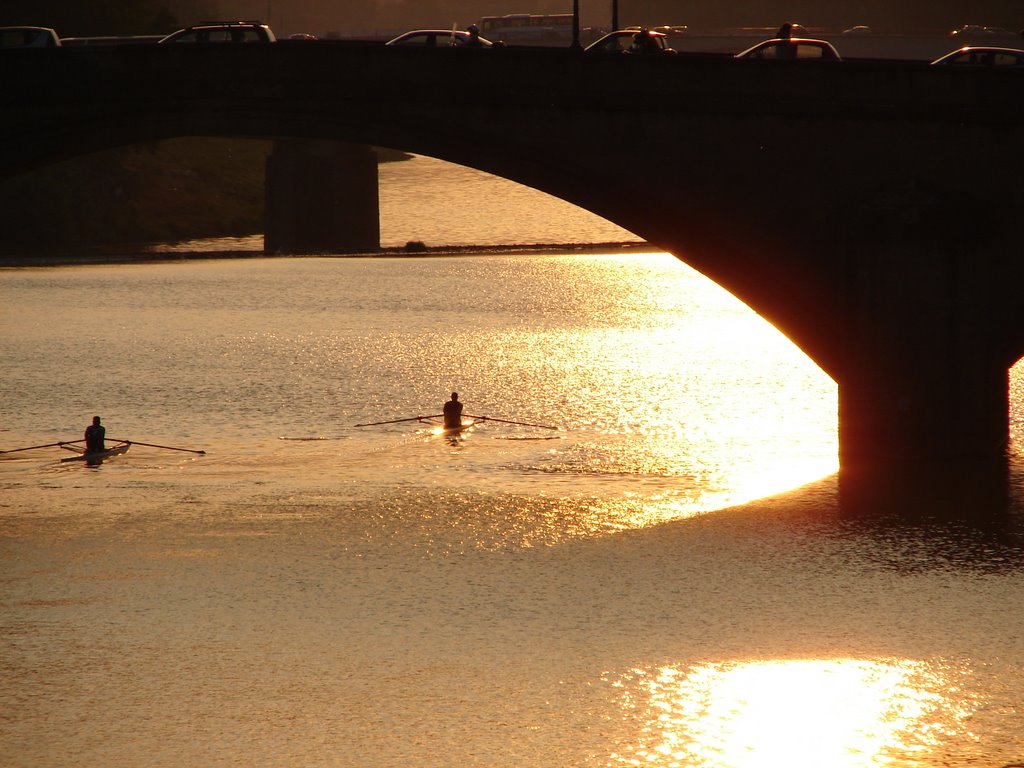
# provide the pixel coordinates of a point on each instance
(96, 457)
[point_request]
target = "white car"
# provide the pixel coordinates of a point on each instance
(793, 49)
(437, 38)
(976, 56)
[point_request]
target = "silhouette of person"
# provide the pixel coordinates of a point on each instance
(95, 434)
(453, 412)
(473, 41)
(644, 43)
(785, 31)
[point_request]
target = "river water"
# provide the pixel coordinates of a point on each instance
(665, 579)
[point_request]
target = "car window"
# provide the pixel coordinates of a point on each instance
(809, 52)
(418, 40)
(617, 44)
(26, 38)
(238, 35)
(1008, 60)
(772, 52)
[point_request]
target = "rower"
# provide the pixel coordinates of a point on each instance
(95, 434)
(453, 412)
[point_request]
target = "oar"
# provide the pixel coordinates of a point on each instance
(506, 421)
(396, 421)
(154, 445)
(48, 445)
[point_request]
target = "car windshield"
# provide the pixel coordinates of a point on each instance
(25, 37)
(625, 41)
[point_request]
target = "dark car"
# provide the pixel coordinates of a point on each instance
(793, 49)
(223, 32)
(437, 38)
(1012, 58)
(634, 41)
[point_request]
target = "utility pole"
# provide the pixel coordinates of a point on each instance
(615, 15)
(575, 25)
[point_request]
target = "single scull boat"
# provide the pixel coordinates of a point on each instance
(440, 429)
(96, 457)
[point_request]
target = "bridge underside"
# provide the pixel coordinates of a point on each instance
(869, 211)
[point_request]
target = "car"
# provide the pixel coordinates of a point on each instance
(979, 30)
(437, 38)
(632, 41)
(792, 48)
(223, 32)
(28, 37)
(976, 56)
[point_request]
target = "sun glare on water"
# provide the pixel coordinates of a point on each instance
(840, 713)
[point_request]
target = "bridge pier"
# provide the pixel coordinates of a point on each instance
(924, 386)
(321, 197)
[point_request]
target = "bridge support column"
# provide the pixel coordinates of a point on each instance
(321, 197)
(924, 391)
(930, 440)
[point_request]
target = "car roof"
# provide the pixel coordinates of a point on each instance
(806, 40)
(633, 32)
(978, 49)
(434, 32)
(985, 49)
(243, 23)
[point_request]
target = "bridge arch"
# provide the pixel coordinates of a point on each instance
(840, 200)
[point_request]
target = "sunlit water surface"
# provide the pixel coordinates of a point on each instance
(311, 593)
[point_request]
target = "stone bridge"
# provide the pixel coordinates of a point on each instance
(869, 210)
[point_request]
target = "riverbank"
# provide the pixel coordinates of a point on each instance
(165, 191)
(141, 256)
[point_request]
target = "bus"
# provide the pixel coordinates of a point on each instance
(528, 29)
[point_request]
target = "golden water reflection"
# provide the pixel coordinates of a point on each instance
(841, 713)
